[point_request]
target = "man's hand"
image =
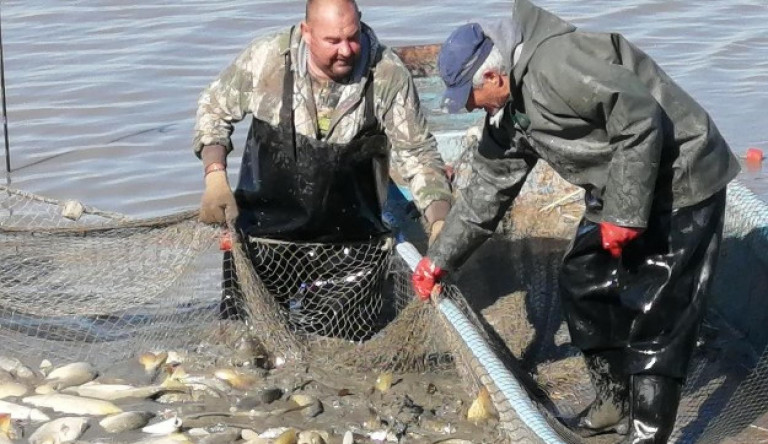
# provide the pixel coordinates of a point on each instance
(434, 230)
(615, 237)
(425, 277)
(218, 204)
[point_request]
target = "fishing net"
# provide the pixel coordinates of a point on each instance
(85, 276)
(83, 284)
(339, 306)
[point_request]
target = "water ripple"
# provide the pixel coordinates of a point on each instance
(102, 95)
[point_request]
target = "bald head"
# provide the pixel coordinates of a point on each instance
(317, 8)
(331, 31)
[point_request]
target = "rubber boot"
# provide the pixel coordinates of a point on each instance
(653, 408)
(608, 412)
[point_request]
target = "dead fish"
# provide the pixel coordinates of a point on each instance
(73, 405)
(173, 438)
(23, 412)
(16, 368)
(250, 435)
(123, 422)
(45, 367)
(312, 437)
(288, 437)
(12, 388)
(112, 392)
(215, 387)
(164, 427)
(272, 433)
(8, 429)
(236, 379)
(71, 374)
(482, 407)
(384, 382)
(152, 362)
(59, 430)
(175, 357)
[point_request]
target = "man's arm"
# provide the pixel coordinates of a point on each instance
(414, 149)
(498, 170)
(222, 104)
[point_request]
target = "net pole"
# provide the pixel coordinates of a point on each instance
(2, 87)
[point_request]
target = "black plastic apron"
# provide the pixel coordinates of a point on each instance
(293, 187)
(296, 188)
(649, 303)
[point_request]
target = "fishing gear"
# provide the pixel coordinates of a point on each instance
(2, 87)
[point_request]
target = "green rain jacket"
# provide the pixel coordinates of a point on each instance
(603, 115)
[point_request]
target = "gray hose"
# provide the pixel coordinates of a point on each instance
(502, 378)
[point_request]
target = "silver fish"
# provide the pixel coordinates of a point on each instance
(112, 392)
(59, 430)
(73, 405)
(12, 388)
(23, 412)
(123, 422)
(66, 376)
(16, 368)
(164, 427)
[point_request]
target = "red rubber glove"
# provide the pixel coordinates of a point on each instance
(425, 277)
(616, 237)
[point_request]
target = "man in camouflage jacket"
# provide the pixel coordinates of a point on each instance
(253, 84)
(331, 106)
(654, 167)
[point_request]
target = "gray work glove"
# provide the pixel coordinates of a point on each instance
(218, 204)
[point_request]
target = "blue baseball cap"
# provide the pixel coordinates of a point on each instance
(460, 57)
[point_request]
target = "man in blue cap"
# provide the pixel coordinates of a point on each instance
(654, 168)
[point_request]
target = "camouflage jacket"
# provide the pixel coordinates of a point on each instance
(253, 84)
(603, 115)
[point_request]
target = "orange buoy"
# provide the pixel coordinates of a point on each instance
(754, 155)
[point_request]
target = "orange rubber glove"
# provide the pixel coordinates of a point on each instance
(615, 237)
(425, 277)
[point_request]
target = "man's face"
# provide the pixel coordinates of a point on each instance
(491, 95)
(332, 35)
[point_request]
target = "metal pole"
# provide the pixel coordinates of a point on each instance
(2, 86)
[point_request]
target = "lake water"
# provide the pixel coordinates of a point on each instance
(102, 96)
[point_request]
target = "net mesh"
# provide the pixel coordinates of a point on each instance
(81, 284)
(339, 306)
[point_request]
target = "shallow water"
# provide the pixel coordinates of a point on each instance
(101, 96)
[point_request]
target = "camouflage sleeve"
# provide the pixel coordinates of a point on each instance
(414, 149)
(498, 170)
(225, 102)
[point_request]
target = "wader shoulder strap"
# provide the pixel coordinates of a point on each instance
(370, 114)
(286, 111)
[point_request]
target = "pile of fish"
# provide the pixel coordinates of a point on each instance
(169, 397)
